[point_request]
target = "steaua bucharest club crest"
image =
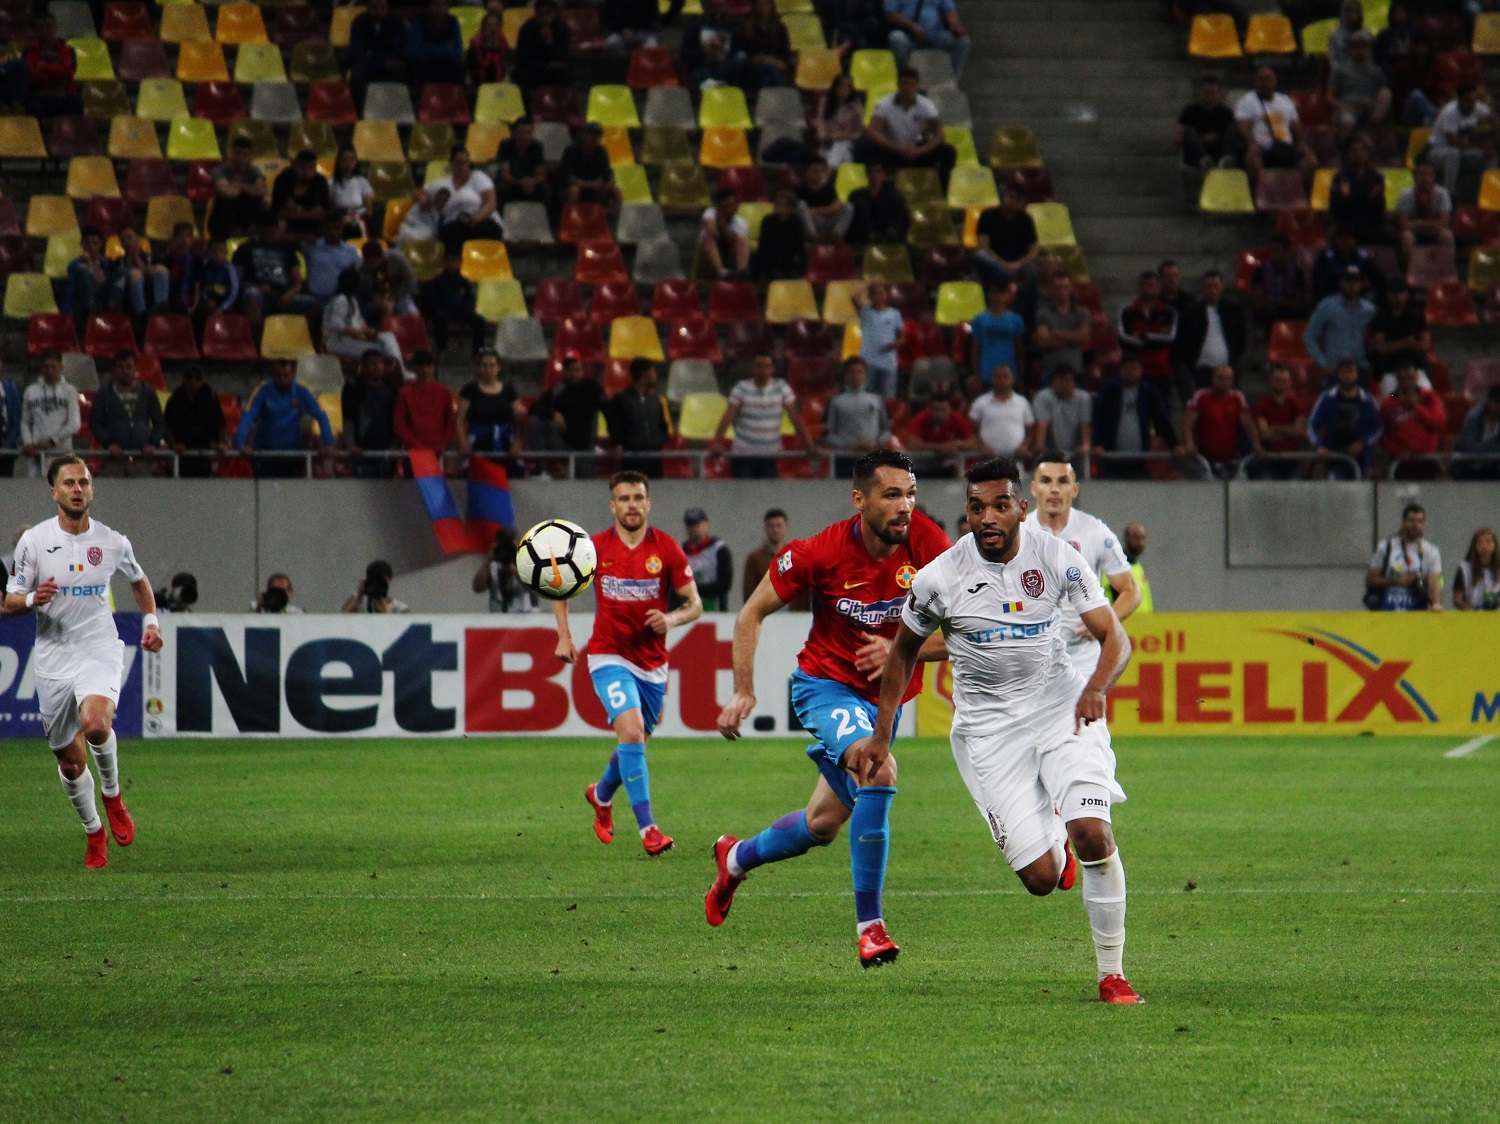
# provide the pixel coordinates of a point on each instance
(653, 565)
(1032, 583)
(905, 576)
(96, 556)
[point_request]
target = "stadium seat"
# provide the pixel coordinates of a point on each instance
(581, 336)
(694, 338)
(921, 339)
(919, 185)
(635, 337)
(16, 255)
(598, 262)
(275, 103)
(410, 331)
(744, 339)
(294, 25)
(147, 178)
(51, 331)
(106, 333)
(790, 300)
(583, 222)
(675, 301)
(612, 105)
(817, 68)
(1286, 344)
(933, 67)
(944, 263)
(959, 301)
(314, 62)
(972, 187)
(483, 140)
(1479, 376)
(143, 59)
(331, 102)
(92, 62)
(161, 99)
(378, 141)
(1014, 146)
(219, 102)
(656, 259)
(484, 259)
(830, 261)
(651, 67)
(848, 179)
(132, 138)
(73, 136)
(683, 187)
(807, 338)
(389, 101)
(700, 415)
(779, 106)
(61, 249)
(724, 106)
(338, 26)
(1226, 191)
(499, 102)
(952, 106)
(748, 185)
(240, 23)
(669, 107)
(74, 19)
(201, 62)
(617, 143)
(838, 301)
(1484, 268)
(962, 140)
(425, 256)
(724, 148)
(21, 139)
(1429, 266)
(103, 101)
(613, 300)
(285, 337)
(1278, 189)
(315, 135)
(557, 298)
(690, 376)
(1315, 37)
(442, 102)
(527, 224)
(390, 180)
(27, 294)
(91, 175)
(665, 144)
(730, 301)
(190, 138)
(1449, 304)
(1054, 225)
(169, 336)
(1300, 226)
(887, 263)
(496, 300)
(47, 215)
(754, 214)
(164, 212)
(259, 62)
(873, 69)
(184, 23)
(1486, 39)
(910, 298)
(110, 213)
(1214, 37)
(1397, 180)
(554, 137)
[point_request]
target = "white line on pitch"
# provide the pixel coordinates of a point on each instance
(1470, 746)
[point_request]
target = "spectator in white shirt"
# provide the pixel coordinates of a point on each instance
(756, 406)
(1003, 418)
(351, 192)
(724, 241)
(469, 212)
(1273, 132)
(1463, 137)
(904, 131)
(49, 413)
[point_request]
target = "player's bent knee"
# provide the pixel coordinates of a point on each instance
(1092, 839)
(1040, 878)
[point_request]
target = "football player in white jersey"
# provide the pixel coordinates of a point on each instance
(62, 569)
(1054, 486)
(1028, 731)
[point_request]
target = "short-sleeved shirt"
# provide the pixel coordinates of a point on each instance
(925, 426)
(309, 195)
(248, 176)
(1217, 433)
(1270, 121)
(463, 202)
(1433, 205)
(998, 337)
(523, 164)
(1394, 557)
(854, 597)
(757, 425)
(1059, 320)
(1207, 122)
(77, 622)
(266, 263)
(738, 226)
(349, 195)
(906, 124)
(325, 261)
(1011, 238)
(879, 329)
(1454, 128)
(1283, 413)
(631, 582)
(1065, 417)
(1100, 547)
(1002, 425)
(490, 417)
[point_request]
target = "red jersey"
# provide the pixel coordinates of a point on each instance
(630, 583)
(854, 596)
(1217, 432)
(1277, 414)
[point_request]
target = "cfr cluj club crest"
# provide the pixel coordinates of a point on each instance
(1032, 583)
(96, 556)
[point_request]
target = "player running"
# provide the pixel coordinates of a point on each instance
(1054, 485)
(1028, 733)
(628, 650)
(62, 569)
(857, 572)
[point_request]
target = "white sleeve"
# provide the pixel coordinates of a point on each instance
(28, 417)
(1079, 583)
(22, 577)
(1112, 558)
(127, 564)
(925, 610)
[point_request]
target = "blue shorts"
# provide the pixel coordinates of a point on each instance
(620, 690)
(838, 717)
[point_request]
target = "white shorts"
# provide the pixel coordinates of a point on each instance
(61, 699)
(1084, 656)
(1027, 770)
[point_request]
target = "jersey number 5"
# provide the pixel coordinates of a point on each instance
(846, 726)
(616, 695)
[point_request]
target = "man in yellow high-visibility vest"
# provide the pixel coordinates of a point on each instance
(1134, 542)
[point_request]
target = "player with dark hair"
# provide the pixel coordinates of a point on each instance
(858, 572)
(62, 569)
(1029, 736)
(638, 566)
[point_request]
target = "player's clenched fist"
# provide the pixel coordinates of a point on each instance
(566, 650)
(151, 639)
(737, 710)
(45, 592)
(1090, 708)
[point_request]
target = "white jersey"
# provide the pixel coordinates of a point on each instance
(1093, 539)
(77, 622)
(1003, 622)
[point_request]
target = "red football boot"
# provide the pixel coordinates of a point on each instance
(97, 856)
(1070, 868)
(721, 893)
(1114, 989)
(604, 817)
(121, 826)
(876, 946)
(655, 842)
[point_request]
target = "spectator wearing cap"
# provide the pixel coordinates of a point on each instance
(565, 416)
(905, 131)
(927, 24)
(1480, 437)
(939, 436)
(1206, 133)
(880, 213)
(758, 561)
(1336, 330)
(426, 412)
(1272, 131)
(1424, 213)
(584, 173)
(273, 421)
(543, 49)
(756, 407)
(435, 45)
(856, 420)
(1212, 332)
(1333, 262)
(1218, 424)
(1345, 421)
(709, 558)
(450, 298)
(723, 241)
(1359, 93)
(639, 421)
(1148, 328)
(127, 421)
(1356, 198)
(239, 192)
(521, 165)
(1008, 243)
(1413, 423)
(1399, 333)
(781, 252)
(377, 48)
(300, 198)
(194, 423)
(1463, 137)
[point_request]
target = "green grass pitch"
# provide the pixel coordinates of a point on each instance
(381, 930)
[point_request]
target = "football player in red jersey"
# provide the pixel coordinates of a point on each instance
(858, 572)
(628, 650)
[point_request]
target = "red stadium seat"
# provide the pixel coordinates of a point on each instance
(200, 180)
(227, 336)
(614, 299)
(1429, 266)
(51, 331)
(331, 102)
(1449, 305)
(410, 331)
(748, 185)
(1472, 225)
(599, 262)
(583, 222)
(1437, 372)
(831, 261)
(795, 468)
(556, 299)
(1479, 376)
(910, 299)
(219, 102)
(1104, 340)
(294, 24)
(651, 67)
(1286, 341)
(110, 213)
(141, 59)
(810, 374)
(1457, 408)
(582, 336)
(1325, 147)
(170, 336)
(145, 179)
(959, 352)
(148, 370)
(675, 300)
(676, 468)
(556, 103)
(1307, 380)
(694, 338)
(920, 339)
(1444, 31)
(1312, 111)
(1035, 184)
(584, 28)
(8, 223)
(107, 333)
(1279, 189)
(807, 338)
(1086, 293)
(745, 339)
(74, 136)
(444, 102)
(616, 376)
(1300, 226)
(16, 255)
(126, 21)
(729, 301)
(941, 264)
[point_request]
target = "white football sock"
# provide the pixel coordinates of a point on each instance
(732, 863)
(859, 928)
(81, 793)
(1104, 898)
(107, 761)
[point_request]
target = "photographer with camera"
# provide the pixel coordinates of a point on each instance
(180, 596)
(276, 597)
(373, 594)
(497, 577)
(1406, 571)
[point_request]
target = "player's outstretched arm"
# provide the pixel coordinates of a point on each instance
(763, 602)
(145, 600)
(867, 759)
(566, 650)
(1127, 593)
(18, 603)
(1114, 656)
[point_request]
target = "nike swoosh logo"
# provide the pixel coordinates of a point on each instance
(854, 585)
(633, 779)
(53, 549)
(555, 581)
(869, 839)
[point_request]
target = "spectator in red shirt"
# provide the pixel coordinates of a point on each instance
(1148, 327)
(1414, 421)
(1217, 415)
(425, 410)
(939, 435)
(485, 59)
(50, 66)
(1281, 422)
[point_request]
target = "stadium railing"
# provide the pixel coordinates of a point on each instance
(1305, 462)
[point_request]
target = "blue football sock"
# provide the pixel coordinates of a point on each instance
(637, 781)
(605, 790)
(869, 846)
(787, 838)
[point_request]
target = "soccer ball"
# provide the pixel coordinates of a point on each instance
(556, 559)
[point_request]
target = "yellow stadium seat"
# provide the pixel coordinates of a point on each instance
(613, 105)
(1322, 186)
(872, 99)
(485, 259)
(201, 62)
(931, 225)
(724, 106)
(1397, 180)
(425, 256)
(1376, 15)
(754, 213)
(700, 415)
(240, 23)
(273, 166)
(114, 250)
(959, 301)
(378, 141)
(192, 138)
(665, 144)
(1214, 37)
(391, 180)
(873, 69)
(616, 141)
(962, 141)
(794, 7)
(260, 134)
(1226, 191)
(26, 294)
(1487, 33)
(972, 187)
(635, 337)
(184, 23)
(1315, 37)
(683, 188)
(21, 139)
(1070, 262)
(919, 185)
(838, 302)
(790, 300)
(92, 60)
(161, 99)
(332, 401)
(1489, 191)
(971, 227)
(338, 27)
(633, 184)
(483, 140)
(512, 20)
(805, 31)
(1054, 225)
(395, 215)
(259, 62)
(849, 179)
(470, 19)
(1014, 146)
(91, 175)
(1270, 35)
(316, 135)
(133, 138)
(499, 101)
(62, 250)
(286, 337)
(166, 211)
(854, 340)
(103, 101)
(430, 141)
(1484, 268)
(724, 148)
(495, 300)
(887, 263)
(47, 215)
(1416, 143)
(816, 69)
